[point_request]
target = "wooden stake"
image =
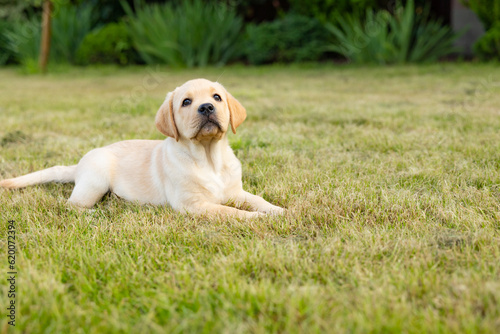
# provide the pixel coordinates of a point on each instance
(46, 32)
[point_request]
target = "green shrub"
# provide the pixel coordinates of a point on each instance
(488, 46)
(70, 24)
(488, 11)
(293, 38)
(387, 38)
(192, 33)
(23, 40)
(9, 10)
(328, 10)
(362, 40)
(109, 45)
(5, 53)
(14, 9)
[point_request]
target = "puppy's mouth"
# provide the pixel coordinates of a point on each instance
(209, 127)
(209, 121)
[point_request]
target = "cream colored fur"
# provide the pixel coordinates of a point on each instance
(193, 170)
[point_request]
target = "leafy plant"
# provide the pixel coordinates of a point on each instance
(328, 10)
(417, 37)
(293, 38)
(488, 46)
(108, 45)
(70, 24)
(488, 11)
(384, 38)
(22, 40)
(5, 53)
(363, 41)
(192, 33)
(13, 9)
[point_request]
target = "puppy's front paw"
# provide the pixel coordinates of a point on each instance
(255, 214)
(275, 210)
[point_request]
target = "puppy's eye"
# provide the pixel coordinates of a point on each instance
(217, 97)
(186, 102)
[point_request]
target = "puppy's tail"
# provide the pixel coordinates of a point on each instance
(62, 174)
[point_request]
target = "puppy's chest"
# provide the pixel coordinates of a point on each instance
(215, 183)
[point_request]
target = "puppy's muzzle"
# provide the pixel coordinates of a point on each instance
(208, 119)
(206, 109)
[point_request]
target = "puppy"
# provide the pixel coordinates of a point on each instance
(193, 170)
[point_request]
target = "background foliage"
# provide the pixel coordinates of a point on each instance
(329, 10)
(216, 32)
(488, 46)
(110, 44)
(191, 33)
(488, 11)
(293, 38)
(70, 25)
(5, 52)
(385, 38)
(23, 41)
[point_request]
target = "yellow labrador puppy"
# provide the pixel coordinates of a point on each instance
(193, 169)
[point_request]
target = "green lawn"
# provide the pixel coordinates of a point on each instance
(391, 178)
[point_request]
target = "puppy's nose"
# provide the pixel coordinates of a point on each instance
(206, 109)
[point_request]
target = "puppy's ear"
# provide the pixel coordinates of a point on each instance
(237, 112)
(164, 121)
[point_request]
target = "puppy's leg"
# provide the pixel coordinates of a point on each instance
(93, 177)
(258, 203)
(221, 210)
(89, 188)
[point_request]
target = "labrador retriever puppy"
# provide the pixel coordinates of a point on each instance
(193, 170)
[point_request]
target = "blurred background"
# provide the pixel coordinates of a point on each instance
(198, 33)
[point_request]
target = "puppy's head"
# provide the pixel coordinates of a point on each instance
(199, 110)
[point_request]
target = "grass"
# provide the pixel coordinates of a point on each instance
(391, 178)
